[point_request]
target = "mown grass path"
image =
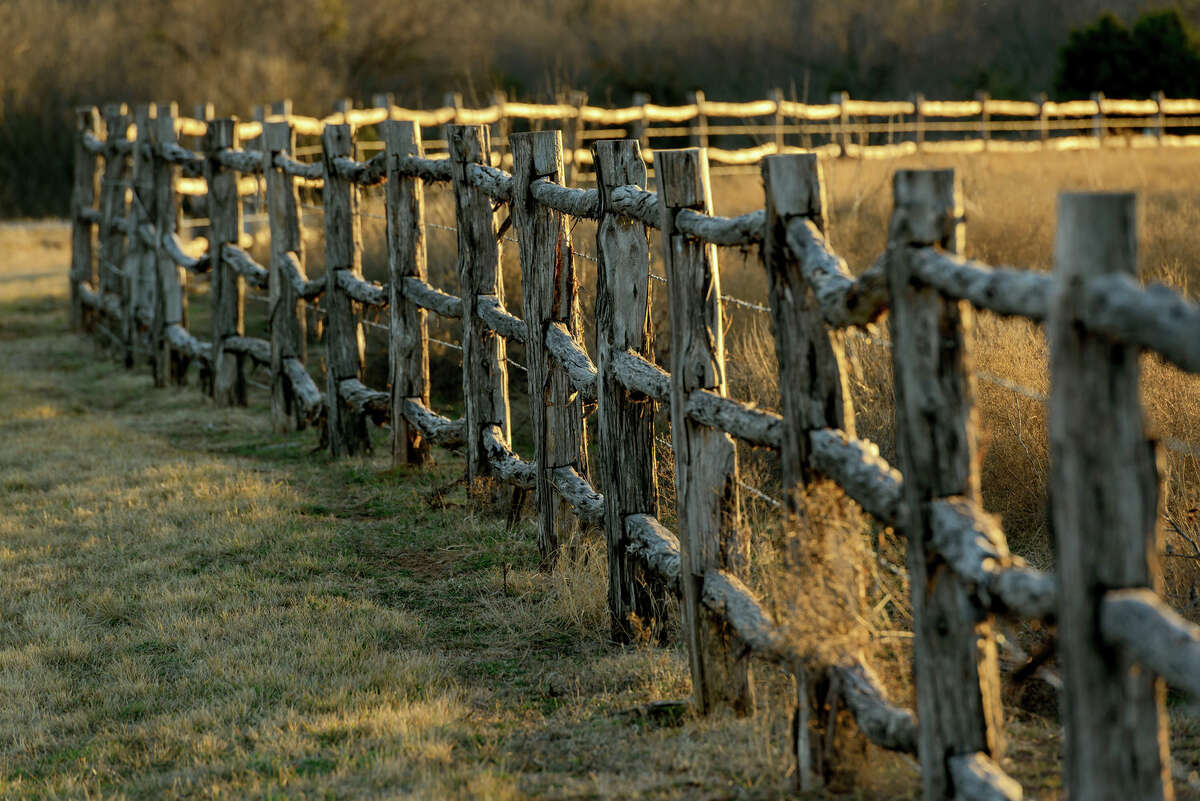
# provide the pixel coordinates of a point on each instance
(191, 607)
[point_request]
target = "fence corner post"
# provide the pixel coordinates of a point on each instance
(1105, 497)
(957, 676)
(408, 341)
(625, 425)
(706, 468)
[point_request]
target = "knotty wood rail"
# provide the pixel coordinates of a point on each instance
(1116, 638)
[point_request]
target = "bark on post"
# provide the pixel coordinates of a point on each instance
(813, 395)
(228, 287)
(345, 344)
(408, 345)
(706, 471)
(550, 295)
(83, 197)
(699, 137)
(629, 477)
(957, 679)
(1105, 497)
(138, 305)
(171, 279)
(113, 208)
(485, 370)
(289, 323)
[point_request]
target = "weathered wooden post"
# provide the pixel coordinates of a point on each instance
(113, 206)
(1105, 498)
(706, 471)
(700, 124)
(171, 279)
(1098, 118)
(139, 264)
(813, 395)
(550, 298)
(228, 288)
(485, 369)
(289, 323)
(842, 101)
(625, 436)
(83, 202)
(1160, 116)
(919, 120)
(985, 118)
(1043, 118)
(500, 128)
(573, 135)
(408, 349)
(345, 344)
(641, 127)
(776, 96)
(957, 678)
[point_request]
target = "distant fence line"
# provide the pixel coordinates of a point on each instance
(1117, 641)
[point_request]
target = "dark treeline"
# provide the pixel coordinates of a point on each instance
(55, 54)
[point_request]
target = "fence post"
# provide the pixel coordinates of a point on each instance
(625, 424)
(706, 471)
(919, 120)
(1105, 497)
(485, 369)
(957, 678)
(1043, 118)
(1160, 116)
(1098, 120)
(641, 127)
(139, 260)
(985, 118)
(289, 324)
(83, 198)
(549, 296)
(408, 344)
(842, 100)
(228, 288)
(776, 96)
(345, 345)
(170, 279)
(113, 208)
(700, 125)
(500, 128)
(813, 395)
(573, 135)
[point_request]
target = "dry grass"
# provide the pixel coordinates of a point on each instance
(196, 608)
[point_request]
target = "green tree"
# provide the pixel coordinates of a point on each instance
(1159, 53)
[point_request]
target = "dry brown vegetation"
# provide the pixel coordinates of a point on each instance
(195, 608)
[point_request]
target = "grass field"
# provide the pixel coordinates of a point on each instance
(195, 608)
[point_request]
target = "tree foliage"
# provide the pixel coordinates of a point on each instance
(1159, 52)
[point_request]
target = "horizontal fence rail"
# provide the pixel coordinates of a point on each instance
(1117, 641)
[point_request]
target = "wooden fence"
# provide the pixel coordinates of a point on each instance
(1117, 641)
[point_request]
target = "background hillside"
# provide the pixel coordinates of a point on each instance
(55, 54)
